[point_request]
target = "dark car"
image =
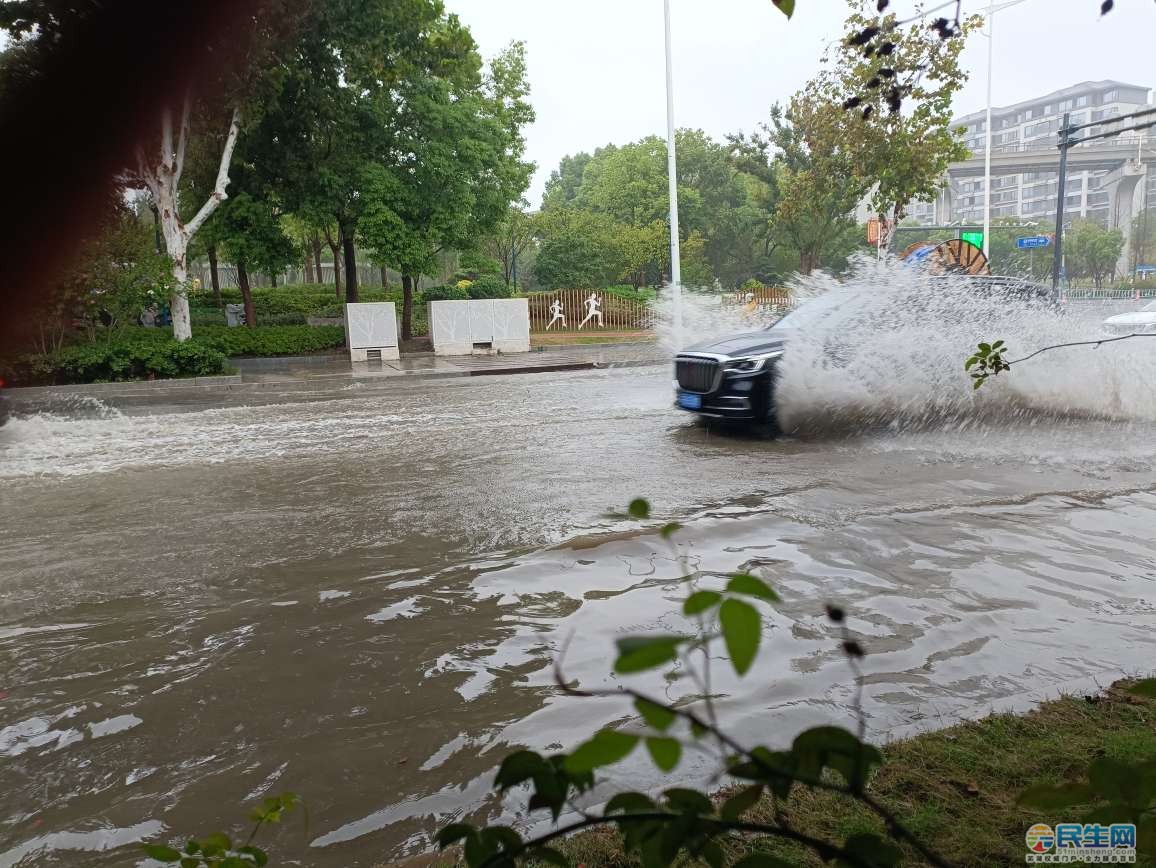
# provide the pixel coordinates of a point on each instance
(733, 377)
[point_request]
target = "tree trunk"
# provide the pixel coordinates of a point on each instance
(350, 267)
(384, 278)
(335, 249)
(316, 247)
(246, 294)
(406, 307)
(308, 268)
(273, 279)
(162, 177)
(214, 277)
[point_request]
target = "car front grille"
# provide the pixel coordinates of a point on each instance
(696, 374)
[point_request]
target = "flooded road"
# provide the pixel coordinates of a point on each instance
(360, 599)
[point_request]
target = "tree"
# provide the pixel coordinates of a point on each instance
(159, 169)
(564, 182)
(1142, 241)
(1093, 251)
(578, 249)
(339, 105)
(510, 240)
(459, 137)
(895, 83)
(253, 236)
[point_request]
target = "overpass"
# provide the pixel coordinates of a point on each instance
(1093, 156)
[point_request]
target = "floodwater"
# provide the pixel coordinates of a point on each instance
(361, 598)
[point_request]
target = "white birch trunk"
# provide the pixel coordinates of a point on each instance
(163, 179)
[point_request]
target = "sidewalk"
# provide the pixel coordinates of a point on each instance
(323, 372)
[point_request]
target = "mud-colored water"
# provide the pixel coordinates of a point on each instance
(360, 599)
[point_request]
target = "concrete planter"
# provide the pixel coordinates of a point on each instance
(371, 330)
(480, 327)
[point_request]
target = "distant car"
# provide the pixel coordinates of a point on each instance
(1142, 321)
(734, 377)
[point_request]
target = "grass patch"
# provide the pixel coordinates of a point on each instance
(568, 338)
(956, 788)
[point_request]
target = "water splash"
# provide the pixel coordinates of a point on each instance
(891, 351)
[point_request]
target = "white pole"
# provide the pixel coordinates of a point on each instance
(987, 148)
(672, 173)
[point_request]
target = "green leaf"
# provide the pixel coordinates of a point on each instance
(639, 653)
(713, 854)
(700, 601)
(751, 586)
(763, 860)
(872, 850)
(216, 844)
(639, 508)
(192, 847)
(665, 752)
(669, 530)
(517, 768)
(997, 345)
(606, 748)
(161, 852)
(984, 349)
(697, 729)
(234, 862)
(741, 629)
(741, 802)
(835, 748)
(967, 366)
(629, 803)
(1048, 798)
(191, 862)
(658, 716)
(453, 833)
(259, 856)
(688, 801)
(1145, 688)
(501, 838)
(787, 7)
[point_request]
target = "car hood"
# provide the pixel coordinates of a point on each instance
(1138, 318)
(743, 344)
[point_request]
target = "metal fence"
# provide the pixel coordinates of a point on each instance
(573, 310)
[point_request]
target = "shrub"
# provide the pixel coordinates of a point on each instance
(286, 340)
(489, 286)
(120, 360)
(444, 293)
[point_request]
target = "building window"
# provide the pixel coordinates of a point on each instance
(1111, 96)
(1081, 101)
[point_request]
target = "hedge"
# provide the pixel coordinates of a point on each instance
(119, 360)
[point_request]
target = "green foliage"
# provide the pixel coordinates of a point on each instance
(120, 359)
(218, 849)
(1092, 251)
(987, 361)
(444, 293)
(489, 286)
(287, 340)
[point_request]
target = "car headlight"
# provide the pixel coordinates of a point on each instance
(751, 364)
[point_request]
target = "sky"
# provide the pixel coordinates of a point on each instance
(597, 68)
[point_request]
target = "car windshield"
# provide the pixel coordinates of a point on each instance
(1150, 307)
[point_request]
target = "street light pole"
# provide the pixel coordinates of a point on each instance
(672, 177)
(987, 147)
(1065, 144)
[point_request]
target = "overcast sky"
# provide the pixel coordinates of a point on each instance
(597, 68)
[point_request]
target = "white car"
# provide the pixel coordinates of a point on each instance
(1140, 322)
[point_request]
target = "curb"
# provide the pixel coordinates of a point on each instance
(204, 386)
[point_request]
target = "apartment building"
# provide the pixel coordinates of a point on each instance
(1032, 126)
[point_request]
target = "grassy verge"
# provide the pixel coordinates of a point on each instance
(568, 338)
(955, 788)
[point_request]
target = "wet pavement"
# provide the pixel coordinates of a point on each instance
(359, 596)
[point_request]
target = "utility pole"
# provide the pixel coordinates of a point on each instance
(672, 178)
(1061, 194)
(987, 146)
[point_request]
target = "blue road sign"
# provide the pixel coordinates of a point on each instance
(1030, 242)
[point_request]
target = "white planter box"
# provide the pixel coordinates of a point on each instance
(480, 327)
(371, 327)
